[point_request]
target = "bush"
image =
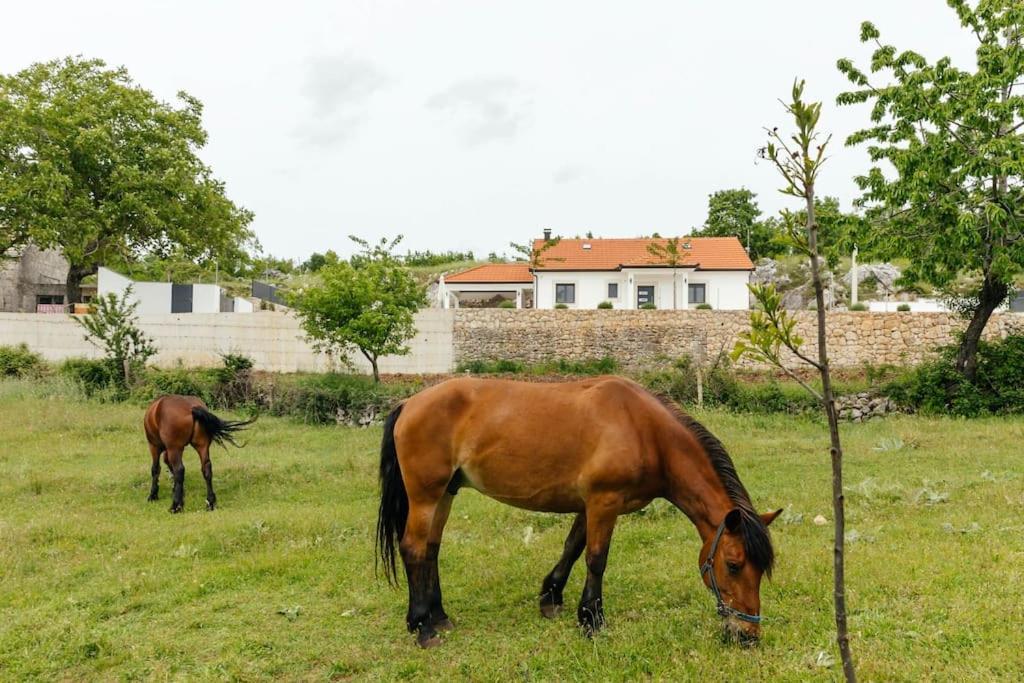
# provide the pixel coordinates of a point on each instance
(858, 306)
(903, 308)
(561, 306)
(99, 378)
(649, 306)
(605, 305)
(704, 307)
(184, 381)
(485, 367)
(334, 398)
(19, 361)
(507, 304)
(593, 366)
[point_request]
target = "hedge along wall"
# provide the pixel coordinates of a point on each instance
(636, 337)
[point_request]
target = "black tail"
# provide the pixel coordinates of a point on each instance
(394, 503)
(220, 430)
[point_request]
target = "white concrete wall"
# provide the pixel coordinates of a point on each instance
(726, 290)
(205, 299)
(154, 298)
(243, 305)
(274, 341)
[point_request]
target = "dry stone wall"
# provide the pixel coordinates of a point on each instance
(635, 338)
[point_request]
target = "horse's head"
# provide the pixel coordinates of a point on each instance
(732, 562)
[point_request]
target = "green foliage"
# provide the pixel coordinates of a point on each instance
(703, 307)
(369, 307)
(507, 304)
(734, 213)
(561, 306)
(559, 366)
(332, 398)
(672, 255)
(430, 258)
(112, 328)
(19, 361)
(946, 188)
(100, 167)
(649, 306)
(535, 255)
(316, 261)
(96, 378)
(903, 308)
(605, 305)
(859, 306)
(937, 388)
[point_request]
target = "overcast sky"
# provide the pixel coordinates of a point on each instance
(467, 124)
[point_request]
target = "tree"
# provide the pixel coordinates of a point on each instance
(368, 308)
(535, 255)
(671, 254)
(112, 326)
(948, 160)
(316, 261)
(734, 213)
(94, 164)
(799, 159)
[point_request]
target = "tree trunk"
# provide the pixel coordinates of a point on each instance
(376, 372)
(836, 450)
(73, 288)
(993, 293)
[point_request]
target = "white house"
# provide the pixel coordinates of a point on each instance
(487, 285)
(167, 297)
(582, 273)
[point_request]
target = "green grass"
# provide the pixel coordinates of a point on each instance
(279, 582)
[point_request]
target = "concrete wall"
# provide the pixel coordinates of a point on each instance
(273, 340)
(635, 338)
(35, 272)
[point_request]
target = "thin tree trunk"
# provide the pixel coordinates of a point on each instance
(836, 450)
(993, 293)
(376, 372)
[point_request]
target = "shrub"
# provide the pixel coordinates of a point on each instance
(184, 381)
(561, 306)
(99, 378)
(19, 361)
(704, 307)
(333, 398)
(605, 305)
(903, 308)
(858, 306)
(507, 304)
(649, 306)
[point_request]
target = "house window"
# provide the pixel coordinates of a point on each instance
(613, 290)
(565, 293)
(49, 300)
(698, 294)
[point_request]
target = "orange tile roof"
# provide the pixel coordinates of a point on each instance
(705, 253)
(493, 272)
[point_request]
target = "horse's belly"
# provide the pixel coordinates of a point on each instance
(536, 493)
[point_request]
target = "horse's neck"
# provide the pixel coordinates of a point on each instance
(696, 489)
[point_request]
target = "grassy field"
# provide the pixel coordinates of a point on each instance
(278, 582)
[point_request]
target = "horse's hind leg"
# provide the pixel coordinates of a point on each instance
(154, 472)
(419, 568)
(554, 582)
(439, 618)
(204, 461)
(174, 461)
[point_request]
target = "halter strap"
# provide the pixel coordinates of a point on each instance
(724, 610)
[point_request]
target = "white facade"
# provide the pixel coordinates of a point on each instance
(448, 292)
(154, 298)
(723, 289)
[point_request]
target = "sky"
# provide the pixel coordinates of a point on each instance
(467, 125)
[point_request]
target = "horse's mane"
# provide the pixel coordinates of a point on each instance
(756, 540)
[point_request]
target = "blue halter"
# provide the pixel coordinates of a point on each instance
(724, 610)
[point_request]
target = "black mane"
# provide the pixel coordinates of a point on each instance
(756, 540)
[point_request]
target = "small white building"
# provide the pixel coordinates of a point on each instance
(583, 273)
(155, 298)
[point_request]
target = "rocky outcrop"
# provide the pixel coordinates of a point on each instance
(864, 406)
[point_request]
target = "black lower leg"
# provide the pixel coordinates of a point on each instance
(418, 619)
(591, 609)
(438, 617)
(211, 497)
(178, 499)
(154, 488)
(551, 589)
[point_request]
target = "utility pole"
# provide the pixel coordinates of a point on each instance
(853, 277)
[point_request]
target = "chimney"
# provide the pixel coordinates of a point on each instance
(547, 234)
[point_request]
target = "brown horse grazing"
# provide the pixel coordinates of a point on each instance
(599, 448)
(174, 422)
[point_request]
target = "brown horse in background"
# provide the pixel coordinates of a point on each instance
(172, 423)
(598, 448)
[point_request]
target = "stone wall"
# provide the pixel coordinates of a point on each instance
(636, 337)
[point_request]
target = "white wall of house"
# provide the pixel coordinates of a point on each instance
(205, 299)
(153, 298)
(724, 290)
(243, 305)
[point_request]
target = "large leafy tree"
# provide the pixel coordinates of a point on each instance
(735, 213)
(948, 173)
(367, 307)
(96, 165)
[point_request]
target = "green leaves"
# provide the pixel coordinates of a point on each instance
(112, 326)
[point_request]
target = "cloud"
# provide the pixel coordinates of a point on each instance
(486, 109)
(338, 88)
(566, 174)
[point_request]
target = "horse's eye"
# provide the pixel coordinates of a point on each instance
(733, 567)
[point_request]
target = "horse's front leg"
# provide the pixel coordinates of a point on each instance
(554, 582)
(601, 516)
(174, 461)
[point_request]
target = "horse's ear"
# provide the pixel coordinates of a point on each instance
(769, 517)
(733, 519)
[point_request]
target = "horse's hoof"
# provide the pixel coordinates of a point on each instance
(152, 498)
(211, 505)
(550, 611)
(444, 625)
(175, 509)
(428, 641)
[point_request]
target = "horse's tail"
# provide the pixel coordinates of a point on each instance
(394, 503)
(220, 431)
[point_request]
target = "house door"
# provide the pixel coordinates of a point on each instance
(181, 298)
(644, 295)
